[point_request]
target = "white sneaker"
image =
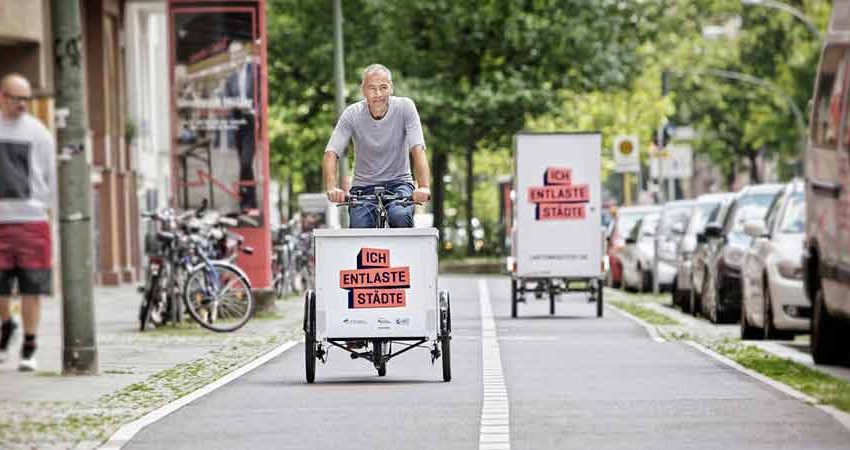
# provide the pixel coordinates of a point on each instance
(28, 364)
(4, 355)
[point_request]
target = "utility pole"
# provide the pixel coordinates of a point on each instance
(339, 83)
(79, 346)
(665, 88)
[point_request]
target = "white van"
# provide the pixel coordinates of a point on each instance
(827, 241)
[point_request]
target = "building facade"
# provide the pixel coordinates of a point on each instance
(26, 47)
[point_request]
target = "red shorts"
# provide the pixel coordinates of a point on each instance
(25, 256)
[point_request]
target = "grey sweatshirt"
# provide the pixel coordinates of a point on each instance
(27, 170)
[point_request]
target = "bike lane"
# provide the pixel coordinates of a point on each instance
(575, 381)
(349, 406)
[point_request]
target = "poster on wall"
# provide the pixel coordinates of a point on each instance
(218, 156)
(219, 152)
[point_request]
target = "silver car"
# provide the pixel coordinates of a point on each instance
(671, 229)
(706, 207)
(774, 303)
(638, 255)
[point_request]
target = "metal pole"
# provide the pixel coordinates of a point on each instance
(339, 94)
(627, 188)
(79, 345)
(790, 10)
(665, 78)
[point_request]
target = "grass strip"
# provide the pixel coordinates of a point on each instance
(823, 387)
(645, 314)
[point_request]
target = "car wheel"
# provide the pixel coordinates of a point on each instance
(825, 333)
(770, 331)
(748, 332)
(646, 281)
(674, 293)
(695, 298)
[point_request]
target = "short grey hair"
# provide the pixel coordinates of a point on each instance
(376, 68)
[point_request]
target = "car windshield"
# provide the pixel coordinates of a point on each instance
(794, 220)
(626, 222)
(750, 207)
(650, 222)
(700, 216)
(672, 216)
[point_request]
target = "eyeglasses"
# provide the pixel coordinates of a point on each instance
(16, 98)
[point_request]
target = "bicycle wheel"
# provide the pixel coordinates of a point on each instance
(219, 298)
(446, 335)
(277, 274)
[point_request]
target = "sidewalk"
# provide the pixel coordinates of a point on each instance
(137, 371)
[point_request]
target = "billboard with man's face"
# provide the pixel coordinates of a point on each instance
(219, 154)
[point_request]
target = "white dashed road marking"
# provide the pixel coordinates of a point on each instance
(495, 412)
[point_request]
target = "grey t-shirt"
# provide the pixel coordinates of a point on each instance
(382, 147)
(27, 170)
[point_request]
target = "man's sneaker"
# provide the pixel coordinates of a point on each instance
(28, 364)
(7, 331)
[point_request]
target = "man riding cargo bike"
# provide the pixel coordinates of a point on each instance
(376, 287)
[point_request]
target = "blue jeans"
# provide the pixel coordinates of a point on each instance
(366, 215)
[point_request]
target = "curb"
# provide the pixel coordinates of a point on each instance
(127, 431)
(651, 330)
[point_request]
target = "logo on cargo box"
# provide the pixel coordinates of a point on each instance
(374, 284)
(559, 198)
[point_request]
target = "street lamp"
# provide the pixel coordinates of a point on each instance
(789, 9)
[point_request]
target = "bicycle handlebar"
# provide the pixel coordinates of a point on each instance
(354, 199)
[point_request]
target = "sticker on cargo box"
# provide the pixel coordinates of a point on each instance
(375, 284)
(559, 198)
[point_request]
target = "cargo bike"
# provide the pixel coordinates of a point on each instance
(557, 238)
(376, 294)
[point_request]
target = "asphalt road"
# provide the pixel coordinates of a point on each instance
(573, 381)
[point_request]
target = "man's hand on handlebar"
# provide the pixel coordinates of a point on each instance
(336, 195)
(421, 195)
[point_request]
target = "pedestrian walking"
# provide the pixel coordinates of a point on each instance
(27, 189)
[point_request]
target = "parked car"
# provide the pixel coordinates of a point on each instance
(706, 206)
(671, 229)
(704, 253)
(774, 305)
(721, 291)
(638, 254)
(620, 227)
(826, 259)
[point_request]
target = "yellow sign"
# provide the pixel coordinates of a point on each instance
(626, 147)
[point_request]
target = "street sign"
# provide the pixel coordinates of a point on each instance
(680, 162)
(675, 161)
(626, 154)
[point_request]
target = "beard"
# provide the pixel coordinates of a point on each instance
(379, 108)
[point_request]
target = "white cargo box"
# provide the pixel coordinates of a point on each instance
(557, 214)
(376, 283)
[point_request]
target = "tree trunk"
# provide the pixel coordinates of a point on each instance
(470, 189)
(290, 201)
(439, 163)
(731, 172)
(752, 156)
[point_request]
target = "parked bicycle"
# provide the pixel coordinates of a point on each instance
(194, 268)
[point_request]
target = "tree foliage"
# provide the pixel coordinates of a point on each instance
(481, 70)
